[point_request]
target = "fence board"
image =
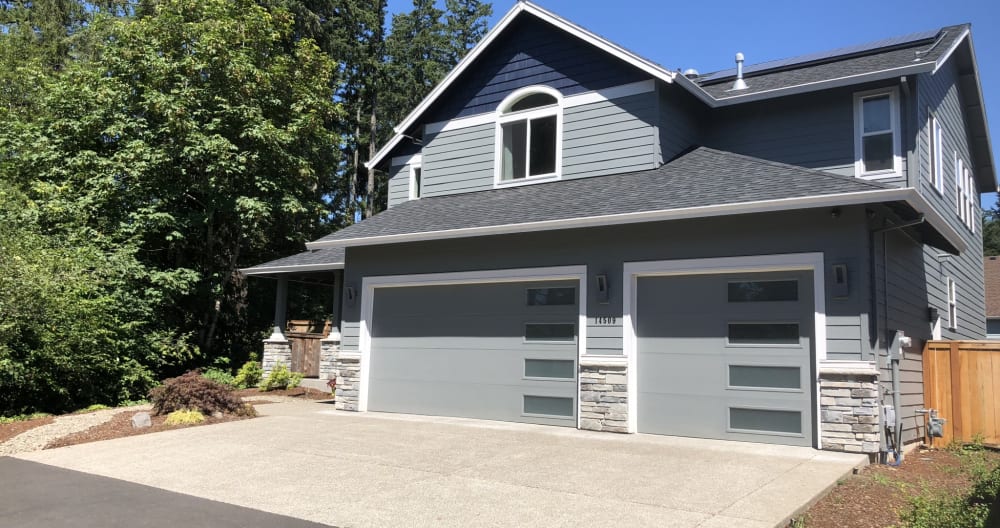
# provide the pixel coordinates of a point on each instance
(962, 381)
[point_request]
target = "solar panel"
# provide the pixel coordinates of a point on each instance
(829, 54)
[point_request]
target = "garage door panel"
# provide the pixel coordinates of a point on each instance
(461, 350)
(715, 348)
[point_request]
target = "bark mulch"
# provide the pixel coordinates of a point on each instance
(874, 497)
(121, 426)
(8, 431)
(304, 393)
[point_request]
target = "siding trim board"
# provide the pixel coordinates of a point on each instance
(369, 285)
(908, 195)
(709, 266)
(569, 101)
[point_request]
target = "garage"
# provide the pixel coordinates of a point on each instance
(498, 351)
(726, 355)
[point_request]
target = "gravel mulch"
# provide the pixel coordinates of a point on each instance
(37, 438)
(8, 431)
(874, 497)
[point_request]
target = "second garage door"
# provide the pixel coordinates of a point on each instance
(499, 351)
(726, 356)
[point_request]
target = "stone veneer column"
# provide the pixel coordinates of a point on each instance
(277, 351)
(604, 395)
(347, 370)
(329, 346)
(849, 408)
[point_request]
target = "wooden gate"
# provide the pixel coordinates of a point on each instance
(305, 337)
(962, 381)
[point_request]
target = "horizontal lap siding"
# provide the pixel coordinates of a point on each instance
(814, 131)
(939, 93)
(399, 184)
(681, 118)
(530, 52)
(456, 161)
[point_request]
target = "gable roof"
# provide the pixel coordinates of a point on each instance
(887, 58)
(702, 183)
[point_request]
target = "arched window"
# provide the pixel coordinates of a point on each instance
(529, 130)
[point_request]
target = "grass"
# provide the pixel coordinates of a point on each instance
(21, 418)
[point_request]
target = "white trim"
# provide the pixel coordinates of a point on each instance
(935, 141)
(521, 6)
(400, 161)
(569, 101)
(369, 284)
(947, 54)
(291, 268)
(894, 129)
(760, 263)
(905, 194)
(415, 186)
(504, 117)
(840, 366)
(952, 304)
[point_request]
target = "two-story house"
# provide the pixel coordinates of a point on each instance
(577, 236)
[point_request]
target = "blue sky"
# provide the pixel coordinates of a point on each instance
(707, 35)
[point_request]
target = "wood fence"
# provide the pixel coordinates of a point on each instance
(305, 337)
(962, 381)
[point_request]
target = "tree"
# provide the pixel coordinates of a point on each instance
(991, 231)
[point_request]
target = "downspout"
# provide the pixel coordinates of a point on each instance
(893, 358)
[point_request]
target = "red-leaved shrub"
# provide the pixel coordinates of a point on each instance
(196, 392)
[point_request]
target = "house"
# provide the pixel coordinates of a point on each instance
(991, 276)
(577, 236)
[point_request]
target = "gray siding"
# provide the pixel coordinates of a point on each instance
(604, 250)
(939, 93)
(813, 130)
(682, 119)
(530, 52)
(399, 184)
(599, 138)
(610, 137)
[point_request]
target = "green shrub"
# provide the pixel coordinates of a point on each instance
(980, 509)
(92, 408)
(281, 378)
(220, 376)
(249, 374)
(192, 391)
(184, 417)
(21, 417)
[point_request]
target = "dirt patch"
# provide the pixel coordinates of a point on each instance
(8, 431)
(874, 497)
(304, 393)
(121, 426)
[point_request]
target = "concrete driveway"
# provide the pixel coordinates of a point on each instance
(307, 461)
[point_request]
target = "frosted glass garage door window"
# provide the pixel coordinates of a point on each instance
(763, 291)
(550, 368)
(548, 406)
(764, 377)
(550, 332)
(765, 420)
(763, 333)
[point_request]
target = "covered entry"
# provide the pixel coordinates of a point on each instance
(727, 355)
(503, 350)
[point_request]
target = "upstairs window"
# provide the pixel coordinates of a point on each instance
(416, 181)
(965, 195)
(936, 154)
(876, 133)
(952, 305)
(529, 130)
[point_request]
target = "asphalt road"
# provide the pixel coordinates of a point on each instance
(37, 495)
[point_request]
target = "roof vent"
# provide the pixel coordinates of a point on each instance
(739, 84)
(691, 73)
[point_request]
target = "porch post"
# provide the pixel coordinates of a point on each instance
(277, 349)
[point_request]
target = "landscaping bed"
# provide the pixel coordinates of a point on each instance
(877, 496)
(12, 429)
(121, 426)
(304, 393)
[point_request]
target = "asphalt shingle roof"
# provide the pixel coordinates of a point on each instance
(306, 258)
(702, 177)
(832, 66)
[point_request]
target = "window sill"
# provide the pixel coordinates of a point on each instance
(880, 174)
(531, 180)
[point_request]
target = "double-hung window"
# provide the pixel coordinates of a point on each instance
(416, 181)
(952, 305)
(529, 129)
(876, 134)
(936, 158)
(965, 194)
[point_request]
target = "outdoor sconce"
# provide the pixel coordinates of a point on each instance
(840, 284)
(932, 314)
(603, 296)
(349, 294)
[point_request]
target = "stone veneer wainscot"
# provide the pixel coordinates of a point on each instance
(849, 408)
(604, 394)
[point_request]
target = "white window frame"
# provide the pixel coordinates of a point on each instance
(897, 157)
(416, 187)
(952, 304)
(503, 116)
(971, 196)
(959, 169)
(936, 153)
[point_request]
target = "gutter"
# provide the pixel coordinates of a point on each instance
(292, 268)
(906, 194)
